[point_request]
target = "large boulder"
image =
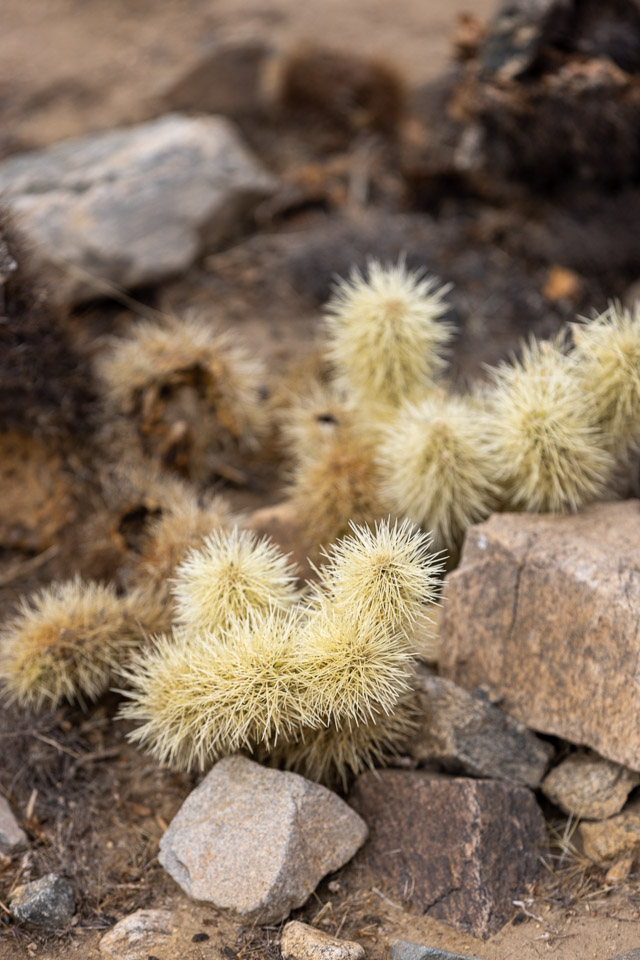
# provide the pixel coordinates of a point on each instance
(543, 611)
(256, 841)
(455, 849)
(134, 205)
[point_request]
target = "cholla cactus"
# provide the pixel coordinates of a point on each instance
(336, 483)
(190, 389)
(357, 666)
(183, 524)
(333, 753)
(386, 334)
(65, 643)
(202, 696)
(323, 684)
(546, 446)
(608, 364)
(437, 469)
(314, 421)
(389, 572)
(231, 576)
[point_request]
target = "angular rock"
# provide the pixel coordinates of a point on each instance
(228, 78)
(589, 787)
(543, 611)
(628, 955)
(12, 837)
(256, 841)
(619, 871)
(456, 849)
(133, 206)
(301, 942)
(517, 33)
(466, 733)
(49, 902)
(613, 838)
(403, 950)
(139, 935)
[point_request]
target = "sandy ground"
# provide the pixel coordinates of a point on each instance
(67, 66)
(70, 66)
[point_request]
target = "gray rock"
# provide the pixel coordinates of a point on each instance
(619, 836)
(466, 733)
(140, 934)
(48, 902)
(133, 206)
(299, 941)
(12, 838)
(589, 787)
(403, 950)
(628, 955)
(517, 34)
(229, 77)
(257, 841)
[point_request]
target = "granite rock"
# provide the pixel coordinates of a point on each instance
(12, 837)
(611, 839)
(257, 841)
(589, 787)
(139, 935)
(133, 205)
(466, 733)
(299, 941)
(403, 950)
(48, 902)
(455, 849)
(543, 611)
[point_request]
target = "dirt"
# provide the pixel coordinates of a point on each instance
(94, 808)
(69, 66)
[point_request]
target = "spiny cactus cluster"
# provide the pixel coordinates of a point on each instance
(316, 680)
(184, 391)
(544, 435)
(319, 681)
(65, 643)
(70, 640)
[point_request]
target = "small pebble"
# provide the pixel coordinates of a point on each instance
(301, 942)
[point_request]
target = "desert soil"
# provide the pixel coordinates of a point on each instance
(71, 66)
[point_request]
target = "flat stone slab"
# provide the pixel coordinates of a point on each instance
(455, 849)
(468, 734)
(134, 205)
(544, 612)
(257, 841)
